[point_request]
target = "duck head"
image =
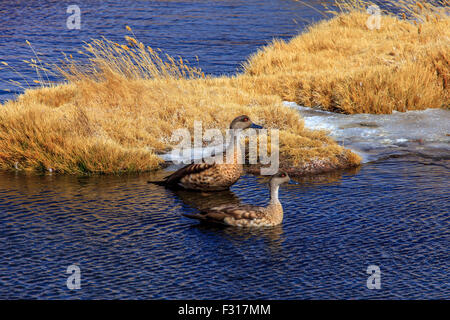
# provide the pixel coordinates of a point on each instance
(243, 122)
(279, 178)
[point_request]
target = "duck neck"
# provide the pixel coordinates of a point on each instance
(274, 194)
(234, 146)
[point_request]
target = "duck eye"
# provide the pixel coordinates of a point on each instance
(245, 119)
(283, 175)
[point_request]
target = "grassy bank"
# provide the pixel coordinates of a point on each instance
(342, 65)
(118, 110)
(119, 124)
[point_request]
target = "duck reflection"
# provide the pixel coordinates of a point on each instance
(326, 178)
(205, 200)
(273, 237)
(272, 234)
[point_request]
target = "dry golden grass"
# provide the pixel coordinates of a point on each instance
(118, 111)
(133, 60)
(341, 65)
(119, 124)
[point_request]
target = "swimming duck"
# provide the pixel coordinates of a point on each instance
(248, 215)
(212, 176)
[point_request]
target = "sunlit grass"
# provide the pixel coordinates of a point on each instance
(133, 60)
(120, 104)
(341, 65)
(119, 125)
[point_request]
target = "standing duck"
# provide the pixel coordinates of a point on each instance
(248, 215)
(212, 176)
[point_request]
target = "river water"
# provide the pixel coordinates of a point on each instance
(129, 238)
(221, 33)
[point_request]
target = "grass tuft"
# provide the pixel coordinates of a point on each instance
(132, 61)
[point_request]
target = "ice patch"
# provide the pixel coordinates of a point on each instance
(194, 154)
(425, 133)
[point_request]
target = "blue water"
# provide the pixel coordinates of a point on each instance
(129, 238)
(221, 33)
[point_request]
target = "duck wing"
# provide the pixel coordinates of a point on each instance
(175, 177)
(219, 214)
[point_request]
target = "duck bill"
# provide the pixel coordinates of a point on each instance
(255, 126)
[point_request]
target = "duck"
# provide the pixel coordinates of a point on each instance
(207, 176)
(243, 215)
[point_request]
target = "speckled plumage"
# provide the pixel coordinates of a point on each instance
(215, 177)
(248, 215)
(212, 176)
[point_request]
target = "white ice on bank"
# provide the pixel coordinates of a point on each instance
(424, 133)
(194, 154)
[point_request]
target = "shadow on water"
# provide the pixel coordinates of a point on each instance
(203, 200)
(271, 237)
(327, 177)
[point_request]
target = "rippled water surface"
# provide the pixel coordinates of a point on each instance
(129, 238)
(221, 33)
